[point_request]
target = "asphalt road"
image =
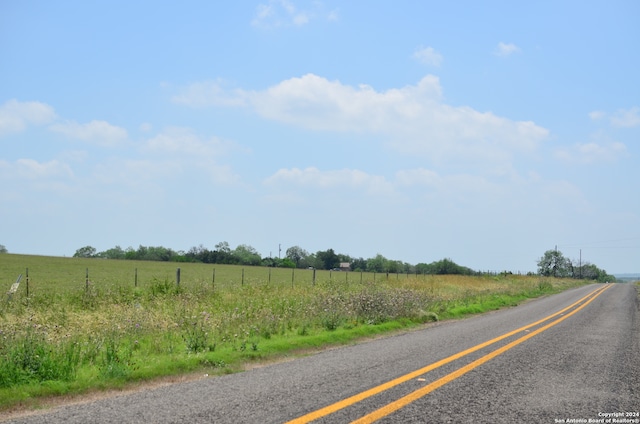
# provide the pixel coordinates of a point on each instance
(578, 361)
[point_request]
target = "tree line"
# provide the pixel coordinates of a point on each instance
(295, 257)
(552, 264)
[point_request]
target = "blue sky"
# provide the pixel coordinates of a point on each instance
(485, 132)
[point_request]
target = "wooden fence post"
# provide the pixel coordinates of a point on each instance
(178, 276)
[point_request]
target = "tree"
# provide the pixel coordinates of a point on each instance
(3, 249)
(377, 264)
(328, 259)
(223, 247)
(554, 264)
(247, 255)
(113, 253)
(85, 252)
(296, 254)
(359, 264)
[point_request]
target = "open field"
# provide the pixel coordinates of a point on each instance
(70, 337)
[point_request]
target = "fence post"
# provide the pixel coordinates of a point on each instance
(135, 283)
(27, 284)
(346, 277)
(213, 282)
(177, 276)
(314, 277)
(86, 283)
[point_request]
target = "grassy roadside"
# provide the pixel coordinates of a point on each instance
(78, 341)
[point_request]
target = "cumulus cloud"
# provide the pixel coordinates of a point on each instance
(31, 169)
(183, 141)
(428, 56)
(209, 93)
(413, 119)
(15, 116)
(626, 118)
(97, 132)
(182, 146)
(592, 152)
(596, 115)
(284, 13)
(506, 49)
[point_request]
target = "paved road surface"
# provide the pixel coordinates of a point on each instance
(570, 356)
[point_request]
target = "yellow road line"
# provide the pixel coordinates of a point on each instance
(411, 397)
(330, 409)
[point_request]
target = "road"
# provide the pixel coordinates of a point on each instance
(571, 356)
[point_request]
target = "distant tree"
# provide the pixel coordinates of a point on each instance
(377, 264)
(85, 252)
(130, 253)
(591, 272)
(113, 253)
(296, 254)
(223, 247)
(328, 258)
(3, 249)
(198, 254)
(554, 264)
(359, 264)
(247, 255)
(311, 261)
(422, 268)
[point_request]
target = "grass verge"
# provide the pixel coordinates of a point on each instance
(113, 336)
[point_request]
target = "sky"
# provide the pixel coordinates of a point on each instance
(484, 132)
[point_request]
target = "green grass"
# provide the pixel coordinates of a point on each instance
(68, 337)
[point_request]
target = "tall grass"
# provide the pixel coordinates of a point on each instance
(67, 336)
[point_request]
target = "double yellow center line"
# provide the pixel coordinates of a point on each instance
(411, 397)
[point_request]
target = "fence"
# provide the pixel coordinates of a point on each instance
(107, 273)
(51, 275)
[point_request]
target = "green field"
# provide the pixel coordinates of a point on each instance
(130, 321)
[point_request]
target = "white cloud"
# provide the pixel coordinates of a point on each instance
(15, 115)
(210, 93)
(413, 119)
(592, 152)
(428, 56)
(135, 173)
(506, 49)
(98, 132)
(179, 140)
(335, 180)
(31, 169)
(626, 118)
(596, 115)
(284, 13)
(185, 149)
